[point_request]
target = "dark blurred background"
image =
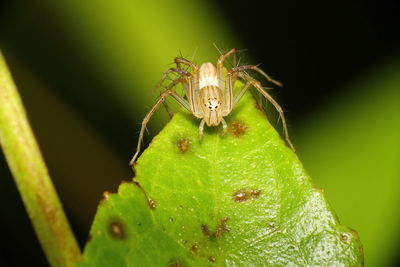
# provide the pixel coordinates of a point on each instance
(85, 70)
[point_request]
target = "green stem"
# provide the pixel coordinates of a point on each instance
(31, 176)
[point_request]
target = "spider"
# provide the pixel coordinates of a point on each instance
(209, 93)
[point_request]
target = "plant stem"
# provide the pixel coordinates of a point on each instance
(31, 176)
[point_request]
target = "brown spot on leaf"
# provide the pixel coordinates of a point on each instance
(212, 259)
(205, 230)
(117, 229)
(221, 228)
(194, 248)
(152, 204)
(177, 263)
(244, 195)
(345, 237)
(237, 128)
(183, 145)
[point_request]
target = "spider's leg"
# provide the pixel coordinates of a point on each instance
(256, 68)
(193, 96)
(224, 126)
(168, 109)
(221, 69)
(222, 58)
(170, 86)
(226, 83)
(146, 119)
(181, 60)
(181, 72)
(241, 93)
(201, 130)
(228, 93)
(256, 84)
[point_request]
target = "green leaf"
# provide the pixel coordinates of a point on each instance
(242, 199)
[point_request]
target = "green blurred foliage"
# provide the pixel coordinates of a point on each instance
(351, 147)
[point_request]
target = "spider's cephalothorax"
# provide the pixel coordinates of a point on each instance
(209, 92)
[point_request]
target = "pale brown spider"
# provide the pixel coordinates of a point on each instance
(209, 93)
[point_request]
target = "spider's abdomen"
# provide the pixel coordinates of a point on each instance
(211, 104)
(208, 75)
